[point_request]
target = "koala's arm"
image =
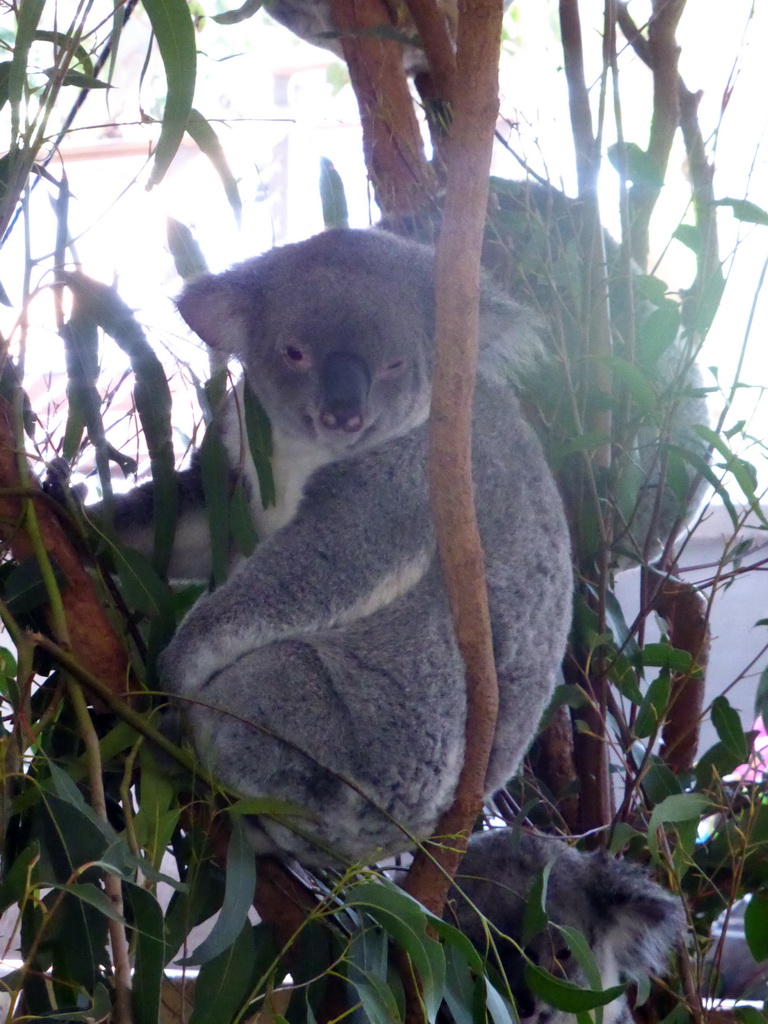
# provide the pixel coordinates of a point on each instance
(134, 521)
(362, 535)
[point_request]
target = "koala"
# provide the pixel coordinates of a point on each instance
(325, 671)
(629, 921)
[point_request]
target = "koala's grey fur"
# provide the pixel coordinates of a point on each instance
(330, 652)
(629, 921)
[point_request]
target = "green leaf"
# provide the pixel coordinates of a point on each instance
(756, 926)
(224, 983)
(659, 781)
(94, 896)
(25, 588)
(665, 656)
(690, 236)
(500, 1009)
(64, 42)
(639, 387)
(717, 762)
(214, 466)
(749, 1015)
(332, 196)
(676, 808)
(174, 30)
(580, 948)
(744, 210)
(259, 432)
(728, 726)
(142, 588)
(68, 791)
(82, 81)
(406, 922)
(654, 707)
(535, 916)
(564, 995)
(742, 471)
(459, 986)
(207, 140)
(241, 521)
(238, 897)
(636, 163)
(157, 816)
(20, 874)
(150, 953)
(367, 972)
(152, 396)
(187, 255)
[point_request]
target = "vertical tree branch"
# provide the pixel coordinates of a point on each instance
(685, 610)
(590, 751)
(457, 288)
(402, 180)
(663, 54)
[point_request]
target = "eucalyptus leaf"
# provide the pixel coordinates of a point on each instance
(174, 31)
(238, 897)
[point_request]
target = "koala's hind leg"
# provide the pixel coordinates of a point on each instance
(360, 733)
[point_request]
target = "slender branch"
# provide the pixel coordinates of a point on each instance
(590, 748)
(432, 26)
(112, 885)
(457, 290)
(662, 54)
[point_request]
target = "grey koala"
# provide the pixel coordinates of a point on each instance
(629, 921)
(325, 671)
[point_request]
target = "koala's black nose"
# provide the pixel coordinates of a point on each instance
(344, 386)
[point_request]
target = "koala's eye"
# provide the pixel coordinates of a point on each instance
(563, 955)
(297, 358)
(394, 369)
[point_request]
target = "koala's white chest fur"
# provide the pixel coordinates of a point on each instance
(293, 462)
(292, 466)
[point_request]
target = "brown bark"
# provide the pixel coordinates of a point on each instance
(436, 39)
(402, 180)
(457, 290)
(92, 638)
(685, 610)
(552, 761)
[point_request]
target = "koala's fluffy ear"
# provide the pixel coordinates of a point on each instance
(212, 307)
(642, 920)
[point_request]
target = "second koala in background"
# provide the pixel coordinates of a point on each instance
(629, 921)
(325, 671)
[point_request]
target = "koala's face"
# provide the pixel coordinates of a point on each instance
(629, 922)
(344, 366)
(335, 335)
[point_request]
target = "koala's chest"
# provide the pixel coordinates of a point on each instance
(292, 466)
